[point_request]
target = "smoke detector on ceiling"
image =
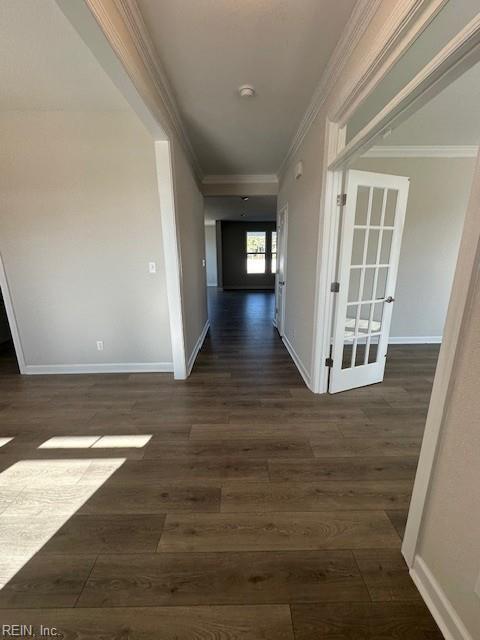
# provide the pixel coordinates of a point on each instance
(246, 91)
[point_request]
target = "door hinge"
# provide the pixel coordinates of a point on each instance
(329, 362)
(335, 287)
(341, 199)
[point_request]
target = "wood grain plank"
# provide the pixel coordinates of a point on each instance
(355, 621)
(268, 622)
(224, 578)
(278, 531)
(327, 495)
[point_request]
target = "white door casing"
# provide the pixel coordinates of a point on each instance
(280, 276)
(371, 236)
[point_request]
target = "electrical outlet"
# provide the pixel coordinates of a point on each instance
(203, 262)
(152, 267)
(99, 345)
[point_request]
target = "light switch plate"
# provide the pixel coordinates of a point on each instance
(100, 345)
(152, 267)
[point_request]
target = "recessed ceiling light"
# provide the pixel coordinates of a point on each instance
(246, 91)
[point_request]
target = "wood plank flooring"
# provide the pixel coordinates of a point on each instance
(256, 510)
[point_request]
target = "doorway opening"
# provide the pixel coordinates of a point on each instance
(11, 354)
(8, 360)
(241, 249)
(429, 135)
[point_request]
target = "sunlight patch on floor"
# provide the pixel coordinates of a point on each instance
(4, 441)
(37, 497)
(96, 442)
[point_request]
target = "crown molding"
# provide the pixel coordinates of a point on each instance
(241, 179)
(405, 22)
(146, 50)
(356, 26)
(425, 151)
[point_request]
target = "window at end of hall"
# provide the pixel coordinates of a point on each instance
(259, 254)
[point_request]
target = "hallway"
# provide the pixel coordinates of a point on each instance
(256, 509)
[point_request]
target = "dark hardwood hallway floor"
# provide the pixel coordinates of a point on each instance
(256, 510)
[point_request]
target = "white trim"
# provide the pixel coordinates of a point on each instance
(298, 362)
(437, 601)
(404, 23)
(425, 151)
(415, 340)
(197, 347)
(284, 248)
(171, 248)
(326, 258)
(12, 320)
(255, 178)
(356, 26)
(104, 367)
(459, 55)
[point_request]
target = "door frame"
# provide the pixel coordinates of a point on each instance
(281, 325)
(12, 320)
(460, 54)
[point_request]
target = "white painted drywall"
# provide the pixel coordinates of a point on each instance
(189, 215)
(437, 202)
(79, 223)
(303, 199)
(211, 254)
(449, 541)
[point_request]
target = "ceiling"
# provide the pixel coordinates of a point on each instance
(44, 64)
(451, 118)
(257, 208)
(208, 48)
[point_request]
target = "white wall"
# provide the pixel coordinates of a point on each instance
(79, 222)
(211, 254)
(447, 559)
(191, 238)
(438, 197)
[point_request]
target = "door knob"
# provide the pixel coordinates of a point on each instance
(282, 282)
(389, 299)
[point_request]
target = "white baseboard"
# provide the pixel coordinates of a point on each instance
(298, 363)
(436, 600)
(104, 367)
(415, 340)
(197, 347)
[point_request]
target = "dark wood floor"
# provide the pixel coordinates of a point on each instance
(256, 510)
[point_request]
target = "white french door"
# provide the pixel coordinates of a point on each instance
(371, 236)
(280, 276)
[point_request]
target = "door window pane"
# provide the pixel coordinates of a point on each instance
(358, 246)
(390, 208)
(362, 205)
(377, 206)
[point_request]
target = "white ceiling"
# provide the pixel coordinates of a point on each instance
(208, 48)
(259, 208)
(451, 118)
(44, 64)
